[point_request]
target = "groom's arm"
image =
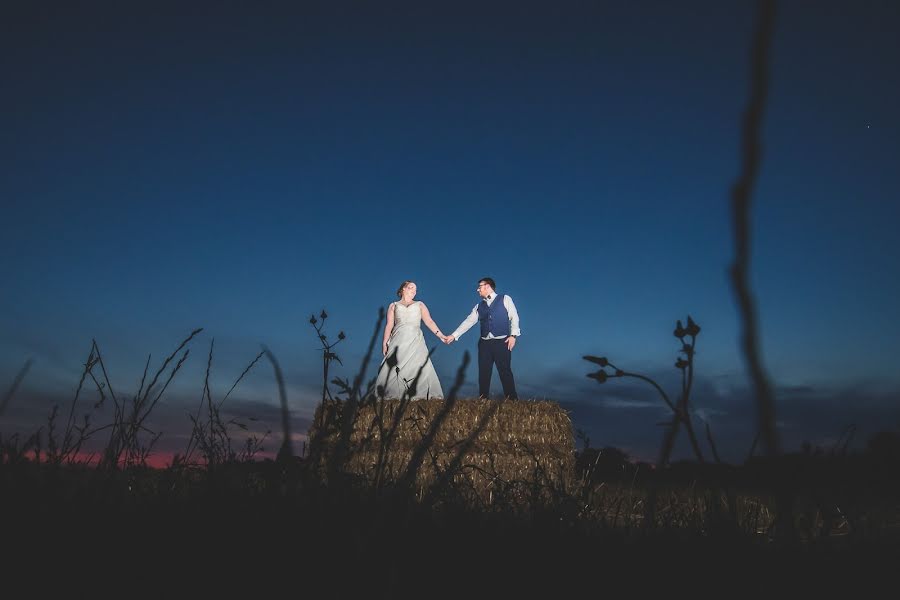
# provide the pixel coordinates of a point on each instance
(467, 324)
(513, 316)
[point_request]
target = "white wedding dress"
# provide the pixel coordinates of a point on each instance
(406, 355)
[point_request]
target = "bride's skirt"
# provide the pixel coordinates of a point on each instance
(407, 354)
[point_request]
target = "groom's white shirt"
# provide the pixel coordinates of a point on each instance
(473, 318)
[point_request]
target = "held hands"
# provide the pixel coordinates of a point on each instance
(449, 339)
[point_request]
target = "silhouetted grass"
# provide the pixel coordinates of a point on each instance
(558, 531)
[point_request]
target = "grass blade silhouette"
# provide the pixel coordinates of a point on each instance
(15, 384)
(287, 448)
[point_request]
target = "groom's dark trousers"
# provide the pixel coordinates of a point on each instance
(490, 353)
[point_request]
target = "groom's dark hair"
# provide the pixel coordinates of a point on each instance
(488, 281)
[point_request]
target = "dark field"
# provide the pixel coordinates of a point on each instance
(271, 526)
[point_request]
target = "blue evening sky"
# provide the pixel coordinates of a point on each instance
(240, 166)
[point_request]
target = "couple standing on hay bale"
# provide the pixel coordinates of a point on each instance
(406, 356)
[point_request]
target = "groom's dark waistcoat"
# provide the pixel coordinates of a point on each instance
(494, 318)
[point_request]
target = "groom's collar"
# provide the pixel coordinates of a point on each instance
(490, 297)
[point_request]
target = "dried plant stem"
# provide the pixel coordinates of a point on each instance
(741, 198)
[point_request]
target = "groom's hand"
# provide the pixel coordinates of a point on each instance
(510, 342)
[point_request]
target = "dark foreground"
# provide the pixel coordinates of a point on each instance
(113, 534)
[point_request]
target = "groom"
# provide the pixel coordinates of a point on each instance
(499, 330)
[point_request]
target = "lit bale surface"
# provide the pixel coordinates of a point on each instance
(492, 446)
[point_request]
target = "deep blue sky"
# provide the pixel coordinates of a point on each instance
(239, 167)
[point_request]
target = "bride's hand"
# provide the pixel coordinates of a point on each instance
(384, 349)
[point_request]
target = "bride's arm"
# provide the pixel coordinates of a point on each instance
(429, 322)
(387, 329)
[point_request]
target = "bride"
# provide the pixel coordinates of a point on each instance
(404, 349)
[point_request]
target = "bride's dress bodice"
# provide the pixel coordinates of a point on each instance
(407, 316)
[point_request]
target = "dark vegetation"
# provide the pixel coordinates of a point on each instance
(355, 502)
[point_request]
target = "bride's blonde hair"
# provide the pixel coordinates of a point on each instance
(403, 285)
